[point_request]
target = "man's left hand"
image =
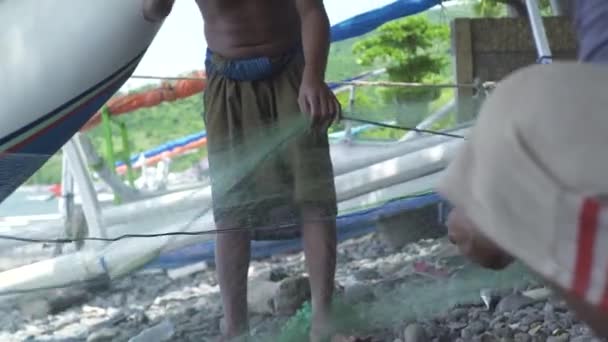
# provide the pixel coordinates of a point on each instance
(319, 101)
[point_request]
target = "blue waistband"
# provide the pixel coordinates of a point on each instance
(248, 69)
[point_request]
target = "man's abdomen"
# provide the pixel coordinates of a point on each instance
(250, 28)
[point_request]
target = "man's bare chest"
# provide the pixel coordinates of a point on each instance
(222, 8)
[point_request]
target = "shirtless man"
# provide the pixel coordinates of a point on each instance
(265, 67)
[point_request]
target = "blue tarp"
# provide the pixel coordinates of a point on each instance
(368, 21)
(349, 226)
(168, 146)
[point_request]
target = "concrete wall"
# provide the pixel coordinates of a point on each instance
(488, 49)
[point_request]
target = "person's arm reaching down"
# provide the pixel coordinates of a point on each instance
(157, 10)
(315, 37)
(315, 97)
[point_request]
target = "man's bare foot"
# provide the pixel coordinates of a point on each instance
(343, 338)
(233, 338)
(321, 328)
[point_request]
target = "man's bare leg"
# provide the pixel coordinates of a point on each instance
(319, 237)
(232, 263)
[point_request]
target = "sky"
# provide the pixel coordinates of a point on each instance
(180, 44)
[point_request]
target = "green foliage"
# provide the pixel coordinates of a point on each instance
(341, 63)
(489, 8)
(498, 8)
(150, 127)
(412, 50)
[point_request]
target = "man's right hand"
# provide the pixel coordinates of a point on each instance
(157, 10)
(463, 233)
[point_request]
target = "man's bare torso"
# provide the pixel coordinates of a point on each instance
(250, 28)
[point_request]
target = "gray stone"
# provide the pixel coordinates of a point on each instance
(474, 314)
(530, 319)
(358, 292)
(486, 337)
(260, 295)
(552, 326)
(104, 335)
(584, 338)
(477, 327)
(466, 334)
(161, 332)
(36, 308)
(456, 325)
(513, 302)
(389, 269)
(549, 312)
(535, 330)
(561, 338)
(538, 293)
(497, 321)
(278, 274)
(522, 337)
(290, 295)
(432, 329)
(457, 314)
(366, 274)
(415, 333)
(505, 332)
(401, 229)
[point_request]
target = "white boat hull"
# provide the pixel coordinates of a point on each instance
(61, 61)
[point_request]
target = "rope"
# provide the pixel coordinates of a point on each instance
(343, 83)
(169, 78)
(405, 84)
(166, 234)
(403, 128)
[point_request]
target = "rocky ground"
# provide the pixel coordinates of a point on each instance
(421, 292)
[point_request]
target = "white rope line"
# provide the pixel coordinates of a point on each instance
(169, 78)
(406, 84)
(343, 83)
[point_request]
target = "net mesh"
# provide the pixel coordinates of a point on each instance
(143, 261)
(156, 267)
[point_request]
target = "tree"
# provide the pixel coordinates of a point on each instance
(497, 8)
(412, 50)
